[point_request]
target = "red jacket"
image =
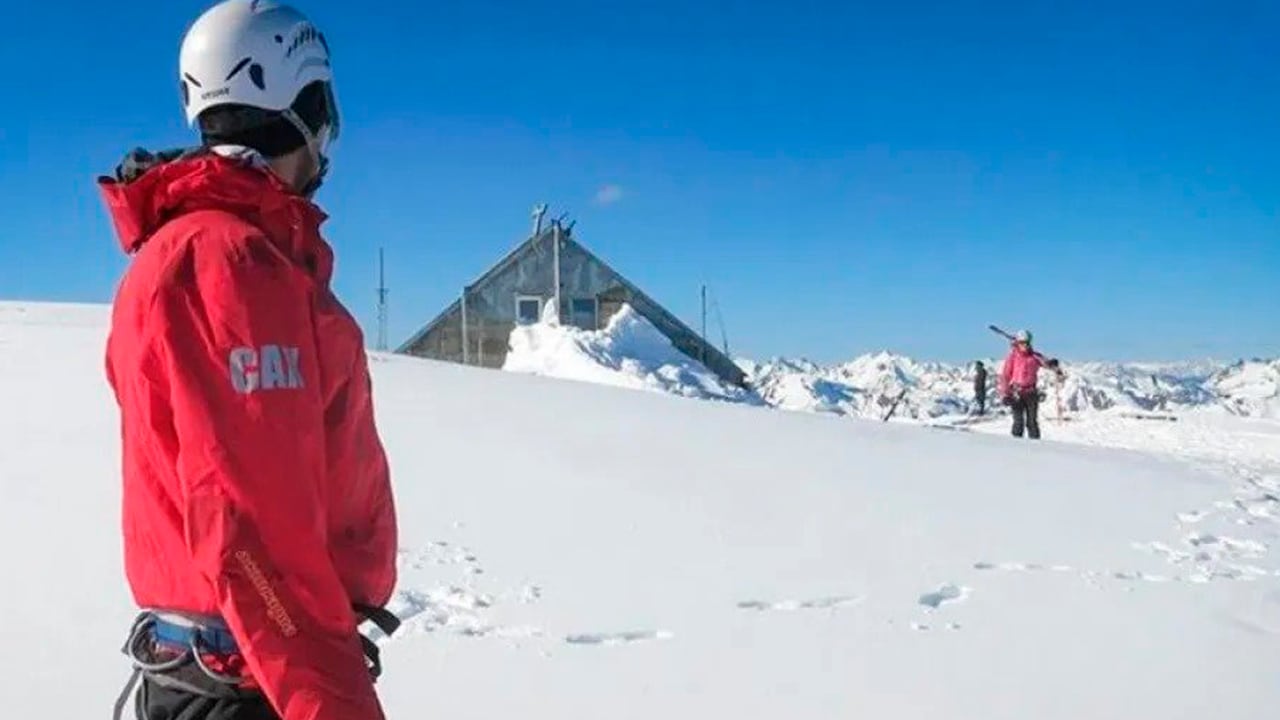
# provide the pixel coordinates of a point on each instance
(255, 485)
(1021, 371)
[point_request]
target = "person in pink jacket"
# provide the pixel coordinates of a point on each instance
(1018, 380)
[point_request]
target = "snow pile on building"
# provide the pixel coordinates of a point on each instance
(629, 352)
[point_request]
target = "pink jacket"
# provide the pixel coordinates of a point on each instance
(1021, 370)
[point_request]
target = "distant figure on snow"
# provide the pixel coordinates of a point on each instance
(1018, 388)
(980, 386)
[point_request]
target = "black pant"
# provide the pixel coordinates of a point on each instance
(155, 702)
(981, 397)
(1026, 412)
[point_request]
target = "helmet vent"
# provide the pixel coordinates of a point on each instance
(186, 94)
(255, 74)
(192, 80)
(239, 66)
(306, 34)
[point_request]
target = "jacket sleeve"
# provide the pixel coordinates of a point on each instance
(368, 549)
(236, 345)
(1006, 374)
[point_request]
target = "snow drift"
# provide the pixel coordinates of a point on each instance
(573, 551)
(629, 352)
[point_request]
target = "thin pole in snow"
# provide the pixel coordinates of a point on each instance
(555, 260)
(382, 301)
(465, 349)
(704, 325)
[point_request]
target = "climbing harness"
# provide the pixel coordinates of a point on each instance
(173, 650)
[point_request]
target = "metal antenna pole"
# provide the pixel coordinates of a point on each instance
(466, 350)
(704, 324)
(555, 273)
(382, 302)
(539, 212)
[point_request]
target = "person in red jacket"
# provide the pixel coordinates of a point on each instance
(259, 523)
(1018, 386)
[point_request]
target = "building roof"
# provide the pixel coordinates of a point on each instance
(648, 307)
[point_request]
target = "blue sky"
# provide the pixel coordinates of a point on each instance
(845, 178)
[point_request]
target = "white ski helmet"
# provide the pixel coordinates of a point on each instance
(259, 54)
(1023, 336)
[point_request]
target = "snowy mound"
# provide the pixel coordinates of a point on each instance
(573, 551)
(630, 352)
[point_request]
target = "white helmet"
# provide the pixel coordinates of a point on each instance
(1023, 336)
(260, 54)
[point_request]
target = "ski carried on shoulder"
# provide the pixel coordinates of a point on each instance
(1058, 375)
(1048, 361)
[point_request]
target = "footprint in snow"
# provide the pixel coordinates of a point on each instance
(1193, 516)
(460, 611)
(826, 603)
(925, 627)
(438, 553)
(946, 593)
(1021, 567)
(620, 638)
(1230, 547)
(1139, 575)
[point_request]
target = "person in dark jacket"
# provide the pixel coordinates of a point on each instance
(980, 386)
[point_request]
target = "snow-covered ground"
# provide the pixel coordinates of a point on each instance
(576, 551)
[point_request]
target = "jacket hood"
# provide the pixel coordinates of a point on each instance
(149, 189)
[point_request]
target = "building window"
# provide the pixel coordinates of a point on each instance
(583, 313)
(528, 309)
